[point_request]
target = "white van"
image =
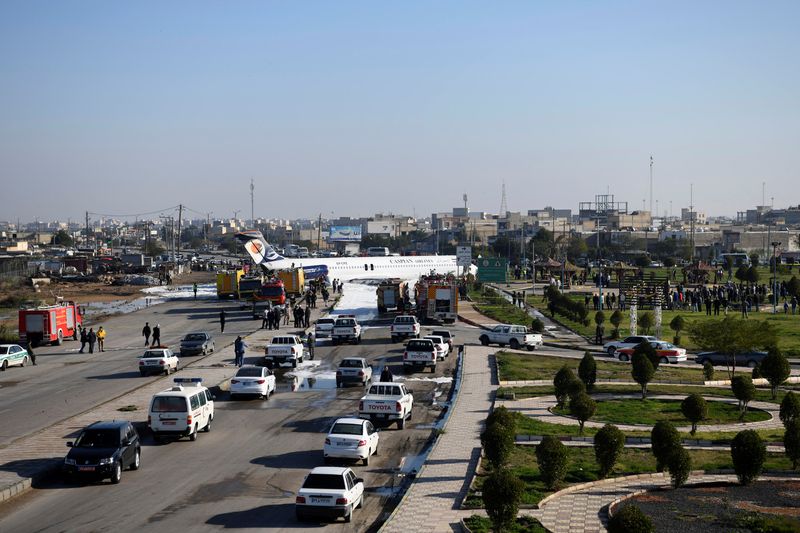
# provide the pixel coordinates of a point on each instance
(182, 410)
(377, 251)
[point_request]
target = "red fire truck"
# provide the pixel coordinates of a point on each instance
(50, 324)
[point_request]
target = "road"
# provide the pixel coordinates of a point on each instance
(65, 382)
(244, 473)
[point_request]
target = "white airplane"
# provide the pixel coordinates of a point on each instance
(347, 268)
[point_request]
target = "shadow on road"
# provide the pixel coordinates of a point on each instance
(320, 424)
(266, 516)
(302, 459)
(118, 375)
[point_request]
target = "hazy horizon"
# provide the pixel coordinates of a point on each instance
(355, 108)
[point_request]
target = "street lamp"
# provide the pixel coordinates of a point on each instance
(775, 245)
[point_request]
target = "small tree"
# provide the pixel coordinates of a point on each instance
(741, 273)
(642, 371)
(599, 318)
(756, 373)
(647, 349)
(708, 371)
(679, 464)
(744, 390)
(575, 389)
(754, 259)
(790, 408)
(583, 408)
(646, 322)
(587, 370)
(561, 383)
(608, 445)
(748, 453)
(665, 439)
(616, 319)
(537, 326)
(498, 443)
(630, 519)
(501, 415)
(677, 325)
(63, 238)
(791, 442)
(752, 275)
(551, 455)
(502, 492)
(695, 409)
(775, 367)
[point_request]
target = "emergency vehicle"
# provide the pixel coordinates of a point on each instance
(50, 324)
(437, 298)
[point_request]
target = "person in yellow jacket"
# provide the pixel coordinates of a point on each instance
(101, 339)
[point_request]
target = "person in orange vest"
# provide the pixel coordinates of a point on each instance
(101, 339)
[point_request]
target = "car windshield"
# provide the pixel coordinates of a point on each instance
(342, 428)
(195, 337)
(169, 404)
(252, 372)
(324, 481)
(350, 363)
(420, 345)
(435, 340)
(98, 438)
(153, 353)
(324, 321)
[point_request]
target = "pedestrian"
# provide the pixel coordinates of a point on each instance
(31, 353)
(521, 299)
(311, 343)
(194, 288)
(84, 340)
(794, 304)
(386, 375)
(265, 319)
(146, 333)
(238, 349)
(598, 334)
(156, 335)
(101, 339)
(307, 314)
(278, 312)
(785, 308)
(514, 298)
(222, 321)
(92, 338)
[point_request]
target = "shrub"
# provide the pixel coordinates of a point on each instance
(575, 389)
(537, 326)
(582, 407)
(646, 349)
(744, 390)
(775, 367)
(599, 318)
(630, 519)
(748, 453)
(561, 382)
(679, 464)
(646, 321)
(551, 455)
(608, 445)
(642, 371)
(498, 443)
(501, 415)
(559, 303)
(790, 408)
(665, 439)
(791, 442)
(708, 371)
(677, 324)
(587, 371)
(616, 320)
(695, 409)
(756, 373)
(502, 492)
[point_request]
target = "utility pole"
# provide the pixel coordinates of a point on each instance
(775, 245)
(651, 184)
(87, 229)
(319, 231)
(691, 219)
(252, 211)
(180, 226)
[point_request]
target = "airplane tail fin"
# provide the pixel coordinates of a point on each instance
(258, 248)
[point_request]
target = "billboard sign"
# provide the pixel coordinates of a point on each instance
(493, 269)
(463, 256)
(344, 234)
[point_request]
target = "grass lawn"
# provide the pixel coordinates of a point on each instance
(498, 308)
(630, 411)
(518, 367)
(582, 467)
(524, 524)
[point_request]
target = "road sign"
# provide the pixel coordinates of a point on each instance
(463, 256)
(493, 269)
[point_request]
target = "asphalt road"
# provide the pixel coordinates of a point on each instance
(65, 383)
(245, 472)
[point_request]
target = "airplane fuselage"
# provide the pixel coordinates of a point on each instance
(348, 268)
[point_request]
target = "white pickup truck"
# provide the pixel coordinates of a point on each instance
(346, 329)
(420, 353)
(405, 326)
(512, 335)
(284, 349)
(386, 402)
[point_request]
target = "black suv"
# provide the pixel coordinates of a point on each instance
(103, 450)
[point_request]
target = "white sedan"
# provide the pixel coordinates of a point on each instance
(442, 348)
(329, 492)
(158, 361)
(255, 380)
(351, 438)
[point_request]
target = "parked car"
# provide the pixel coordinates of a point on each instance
(253, 380)
(12, 355)
(628, 342)
(749, 359)
(351, 438)
(329, 492)
(103, 450)
(666, 351)
(198, 342)
(353, 370)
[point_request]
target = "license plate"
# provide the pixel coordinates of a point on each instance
(382, 415)
(86, 468)
(320, 500)
(151, 362)
(168, 422)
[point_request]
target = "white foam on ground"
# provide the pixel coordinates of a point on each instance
(440, 380)
(205, 291)
(306, 369)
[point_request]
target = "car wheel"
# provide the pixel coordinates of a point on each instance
(204, 351)
(365, 460)
(751, 364)
(663, 361)
(623, 357)
(531, 347)
(360, 502)
(401, 424)
(137, 460)
(4, 365)
(208, 426)
(375, 452)
(213, 348)
(116, 475)
(60, 338)
(24, 361)
(349, 516)
(193, 434)
(610, 351)
(484, 340)
(514, 344)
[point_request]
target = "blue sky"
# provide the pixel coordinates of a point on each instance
(352, 108)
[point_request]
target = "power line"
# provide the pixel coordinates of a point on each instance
(133, 214)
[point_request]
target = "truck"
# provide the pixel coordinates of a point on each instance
(228, 283)
(386, 403)
(512, 335)
(404, 326)
(293, 280)
(420, 353)
(271, 290)
(437, 298)
(249, 287)
(50, 324)
(346, 329)
(284, 349)
(392, 294)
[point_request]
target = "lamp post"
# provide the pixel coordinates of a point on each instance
(775, 245)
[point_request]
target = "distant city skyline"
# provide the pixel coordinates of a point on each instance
(356, 108)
